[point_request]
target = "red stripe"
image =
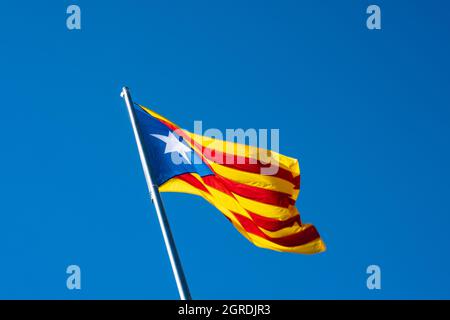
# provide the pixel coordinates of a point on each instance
(168, 124)
(216, 182)
(273, 224)
(189, 178)
(296, 239)
(248, 165)
(250, 192)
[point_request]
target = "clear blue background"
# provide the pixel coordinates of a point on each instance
(366, 112)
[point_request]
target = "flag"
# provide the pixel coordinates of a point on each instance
(228, 175)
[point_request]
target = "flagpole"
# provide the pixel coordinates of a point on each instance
(175, 261)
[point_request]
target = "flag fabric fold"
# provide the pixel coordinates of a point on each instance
(228, 175)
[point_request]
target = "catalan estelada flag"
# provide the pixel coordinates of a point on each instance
(261, 207)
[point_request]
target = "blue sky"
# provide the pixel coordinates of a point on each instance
(365, 112)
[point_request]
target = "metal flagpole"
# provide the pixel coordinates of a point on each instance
(177, 269)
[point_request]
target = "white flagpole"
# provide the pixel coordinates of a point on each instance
(177, 269)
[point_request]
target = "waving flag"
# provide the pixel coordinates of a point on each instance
(261, 207)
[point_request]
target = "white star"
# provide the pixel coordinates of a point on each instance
(174, 145)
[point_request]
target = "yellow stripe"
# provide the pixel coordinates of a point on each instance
(243, 150)
(296, 228)
(255, 180)
(216, 197)
(266, 210)
(312, 247)
(157, 116)
(176, 185)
